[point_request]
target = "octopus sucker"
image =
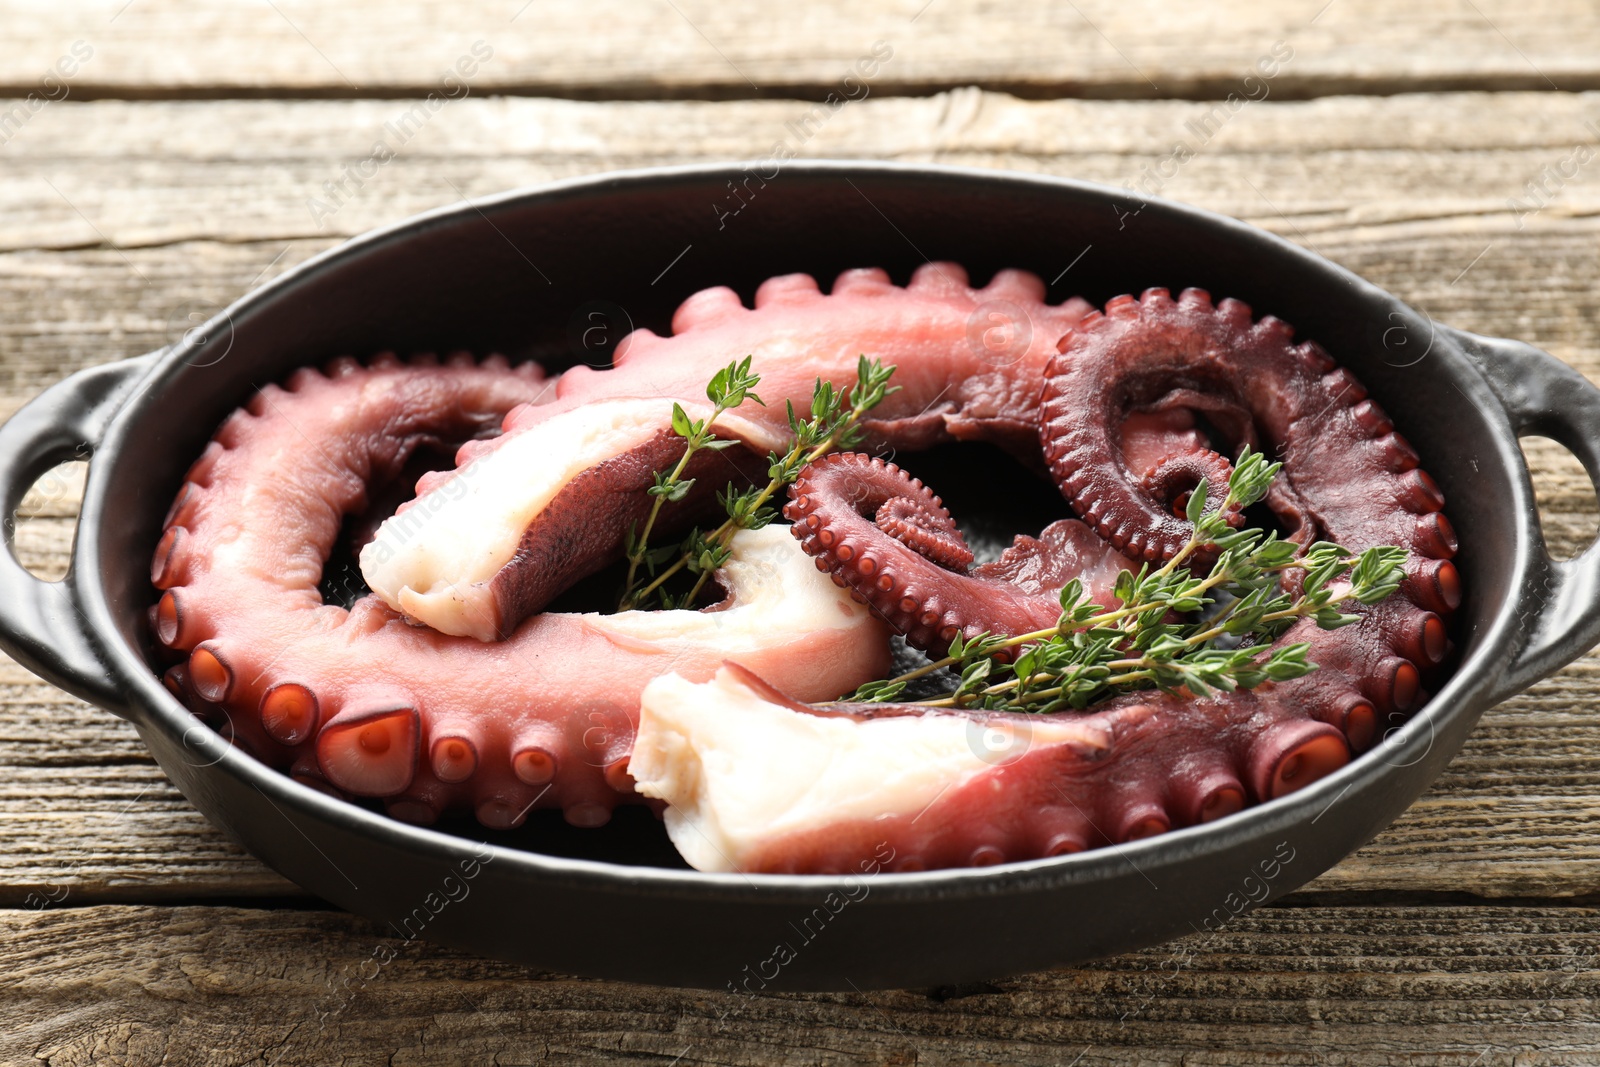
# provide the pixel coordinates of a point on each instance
(369, 748)
(162, 572)
(505, 808)
(415, 812)
(1207, 795)
(209, 674)
(176, 679)
(304, 769)
(453, 750)
(788, 288)
(1060, 830)
(290, 713)
(365, 703)
(1292, 753)
(166, 619)
(1355, 717)
(533, 756)
(1435, 585)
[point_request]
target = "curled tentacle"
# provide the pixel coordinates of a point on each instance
(361, 701)
(925, 527)
(1347, 477)
(919, 577)
(1157, 352)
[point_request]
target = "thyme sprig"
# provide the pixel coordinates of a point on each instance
(1093, 652)
(833, 423)
(729, 387)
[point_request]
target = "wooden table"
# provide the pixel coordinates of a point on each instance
(184, 153)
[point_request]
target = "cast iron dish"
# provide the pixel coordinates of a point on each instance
(534, 274)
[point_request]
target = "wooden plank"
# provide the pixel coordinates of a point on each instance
(1408, 191)
(1343, 172)
(1353, 986)
(698, 48)
(1414, 192)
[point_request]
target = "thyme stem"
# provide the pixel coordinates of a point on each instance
(1092, 652)
(728, 388)
(834, 423)
(724, 533)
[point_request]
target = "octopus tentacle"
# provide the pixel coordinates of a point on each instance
(1347, 476)
(918, 579)
(1154, 351)
(849, 512)
(946, 787)
(360, 701)
(939, 792)
(971, 364)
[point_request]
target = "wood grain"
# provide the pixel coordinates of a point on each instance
(1470, 987)
(1362, 170)
(110, 250)
(126, 223)
(615, 49)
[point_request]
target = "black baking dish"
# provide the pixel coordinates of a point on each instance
(532, 274)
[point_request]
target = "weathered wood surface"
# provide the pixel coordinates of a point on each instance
(618, 49)
(111, 242)
(112, 245)
(1468, 987)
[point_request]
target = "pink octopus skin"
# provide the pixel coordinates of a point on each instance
(971, 364)
(1166, 760)
(362, 702)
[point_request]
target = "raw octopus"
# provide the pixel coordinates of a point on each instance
(931, 783)
(506, 712)
(452, 686)
(360, 701)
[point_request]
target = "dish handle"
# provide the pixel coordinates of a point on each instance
(1560, 608)
(42, 623)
